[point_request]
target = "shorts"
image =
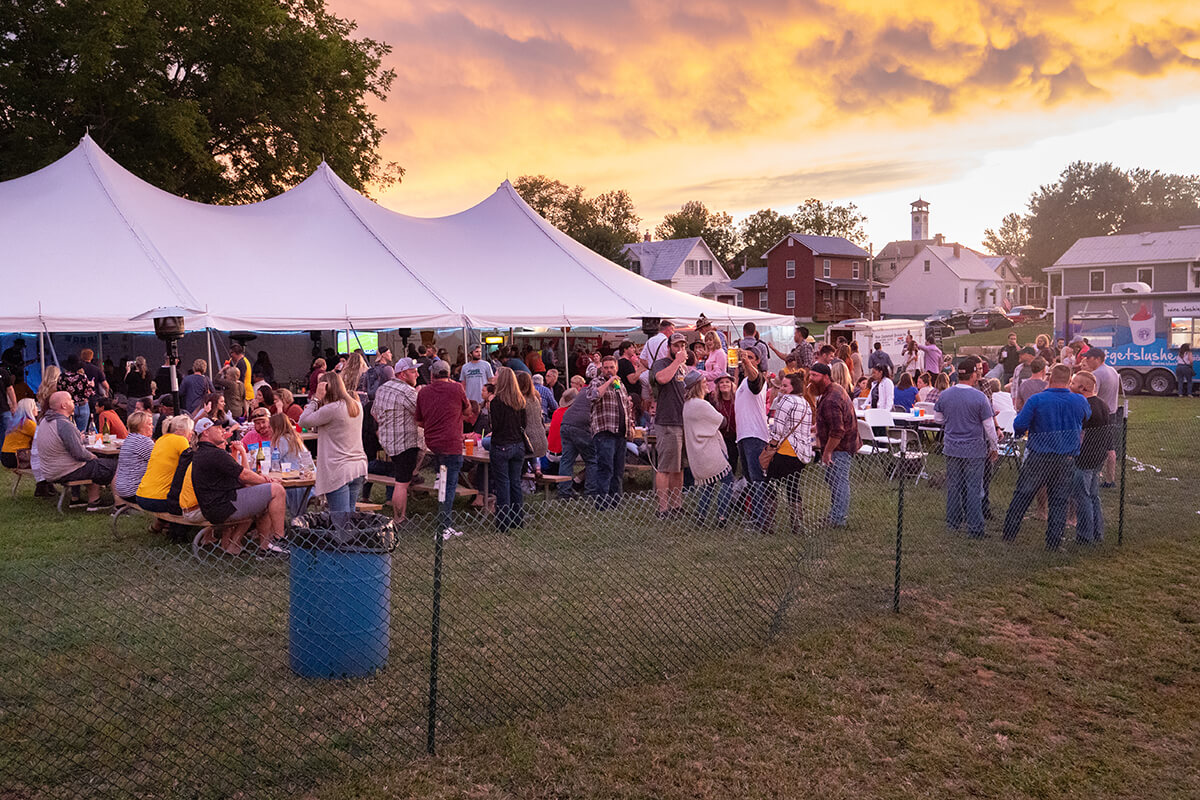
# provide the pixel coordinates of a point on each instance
(99, 471)
(787, 469)
(250, 502)
(157, 505)
(9, 460)
(403, 464)
(668, 446)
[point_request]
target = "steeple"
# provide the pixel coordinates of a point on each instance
(920, 219)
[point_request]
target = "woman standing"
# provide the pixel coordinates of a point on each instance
(912, 358)
(314, 375)
(791, 432)
(341, 463)
(708, 453)
(723, 401)
(508, 415)
(229, 382)
(856, 365)
(137, 382)
(717, 363)
(535, 429)
(48, 387)
(1185, 371)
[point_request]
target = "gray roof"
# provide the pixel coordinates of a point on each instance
(661, 260)
(718, 287)
(753, 278)
(1158, 247)
(969, 266)
(825, 245)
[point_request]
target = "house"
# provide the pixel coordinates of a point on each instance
(822, 278)
(753, 286)
(722, 292)
(1019, 289)
(684, 264)
(1166, 261)
(938, 277)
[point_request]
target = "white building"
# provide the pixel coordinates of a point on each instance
(684, 264)
(938, 277)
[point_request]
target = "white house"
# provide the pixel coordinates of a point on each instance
(947, 276)
(684, 264)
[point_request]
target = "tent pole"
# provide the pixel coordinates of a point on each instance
(566, 358)
(100, 348)
(208, 340)
(42, 352)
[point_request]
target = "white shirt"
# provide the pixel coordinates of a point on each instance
(655, 348)
(750, 412)
(887, 394)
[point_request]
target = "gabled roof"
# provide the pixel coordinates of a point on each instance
(1157, 247)
(661, 260)
(718, 287)
(753, 278)
(824, 245)
(968, 266)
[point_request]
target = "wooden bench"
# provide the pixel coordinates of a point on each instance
(64, 489)
(422, 488)
(548, 481)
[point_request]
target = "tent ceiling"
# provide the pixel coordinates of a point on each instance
(90, 247)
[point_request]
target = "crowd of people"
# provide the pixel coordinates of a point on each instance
(709, 412)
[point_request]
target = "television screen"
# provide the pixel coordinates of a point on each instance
(349, 341)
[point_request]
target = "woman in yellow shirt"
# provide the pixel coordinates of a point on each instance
(19, 436)
(156, 483)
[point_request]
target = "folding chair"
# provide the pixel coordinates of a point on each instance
(1010, 445)
(881, 418)
(909, 456)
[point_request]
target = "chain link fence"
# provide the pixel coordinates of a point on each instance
(158, 670)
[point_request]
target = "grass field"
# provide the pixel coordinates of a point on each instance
(130, 668)
(1026, 332)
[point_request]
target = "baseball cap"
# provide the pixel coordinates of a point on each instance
(677, 337)
(405, 363)
(822, 369)
(1028, 351)
(968, 365)
(440, 368)
(204, 424)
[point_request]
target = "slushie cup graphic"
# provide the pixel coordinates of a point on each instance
(1142, 325)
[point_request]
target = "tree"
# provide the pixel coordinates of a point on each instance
(815, 217)
(605, 223)
(1010, 239)
(762, 229)
(694, 219)
(215, 100)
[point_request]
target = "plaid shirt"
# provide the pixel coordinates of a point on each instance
(607, 409)
(835, 416)
(803, 353)
(395, 409)
(788, 412)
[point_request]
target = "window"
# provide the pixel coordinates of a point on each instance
(1146, 275)
(741, 301)
(826, 268)
(854, 269)
(965, 296)
(706, 267)
(1196, 279)
(881, 295)
(635, 267)
(791, 298)
(762, 301)
(927, 265)
(689, 267)
(789, 241)
(789, 269)
(1096, 280)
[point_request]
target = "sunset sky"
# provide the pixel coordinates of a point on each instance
(970, 105)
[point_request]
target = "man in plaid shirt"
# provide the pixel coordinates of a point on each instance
(612, 423)
(395, 410)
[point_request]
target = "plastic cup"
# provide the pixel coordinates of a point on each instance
(469, 444)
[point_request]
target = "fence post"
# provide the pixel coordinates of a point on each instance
(1124, 443)
(435, 634)
(899, 545)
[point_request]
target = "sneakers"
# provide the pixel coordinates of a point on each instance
(98, 506)
(272, 549)
(446, 534)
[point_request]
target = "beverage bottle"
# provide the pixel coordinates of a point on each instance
(259, 459)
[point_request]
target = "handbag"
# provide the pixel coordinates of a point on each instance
(768, 452)
(528, 444)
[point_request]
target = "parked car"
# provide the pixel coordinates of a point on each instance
(954, 317)
(1027, 313)
(939, 330)
(988, 320)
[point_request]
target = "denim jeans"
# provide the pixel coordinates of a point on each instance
(837, 475)
(297, 502)
(964, 492)
(577, 442)
(5, 418)
(724, 489)
(610, 467)
(749, 450)
(1089, 516)
(453, 465)
(344, 498)
(507, 463)
(1185, 375)
(1053, 471)
(83, 415)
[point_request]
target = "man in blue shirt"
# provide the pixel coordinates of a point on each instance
(1054, 419)
(969, 443)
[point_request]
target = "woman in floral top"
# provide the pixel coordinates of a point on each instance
(74, 381)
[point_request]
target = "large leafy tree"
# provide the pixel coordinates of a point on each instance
(216, 100)
(604, 223)
(694, 219)
(816, 217)
(760, 230)
(1010, 239)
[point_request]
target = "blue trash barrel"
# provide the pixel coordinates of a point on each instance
(339, 611)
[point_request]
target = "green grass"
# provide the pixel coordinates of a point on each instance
(133, 669)
(1026, 332)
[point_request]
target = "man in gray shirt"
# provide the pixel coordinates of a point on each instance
(1108, 389)
(61, 454)
(1031, 385)
(969, 443)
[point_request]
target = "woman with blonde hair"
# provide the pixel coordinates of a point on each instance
(49, 386)
(535, 429)
(155, 487)
(509, 417)
(18, 439)
(839, 372)
(856, 364)
(356, 367)
(288, 450)
(341, 463)
(717, 363)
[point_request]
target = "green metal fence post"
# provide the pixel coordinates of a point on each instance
(899, 545)
(435, 634)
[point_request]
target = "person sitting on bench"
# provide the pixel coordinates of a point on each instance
(61, 454)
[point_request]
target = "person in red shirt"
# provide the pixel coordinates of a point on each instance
(440, 409)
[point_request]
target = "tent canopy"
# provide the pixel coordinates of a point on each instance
(88, 246)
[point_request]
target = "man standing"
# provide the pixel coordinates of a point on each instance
(575, 430)
(803, 351)
(440, 409)
(933, 355)
(750, 341)
(1032, 384)
(668, 375)
(878, 356)
(826, 354)
(475, 373)
(62, 457)
(750, 420)
(237, 359)
(1108, 389)
(395, 411)
(611, 423)
(656, 346)
(1097, 438)
(969, 444)
(377, 375)
(1054, 419)
(837, 435)
(1009, 355)
(1021, 373)
(549, 404)
(195, 387)
(227, 492)
(95, 374)
(704, 325)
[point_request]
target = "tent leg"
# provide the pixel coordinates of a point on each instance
(566, 358)
(212, 370)
(42, 352)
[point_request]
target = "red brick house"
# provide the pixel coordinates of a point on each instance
(820, 278)
(753, 285)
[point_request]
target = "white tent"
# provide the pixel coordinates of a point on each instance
(87, 246)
